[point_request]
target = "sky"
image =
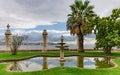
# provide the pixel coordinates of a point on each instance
(31, 17)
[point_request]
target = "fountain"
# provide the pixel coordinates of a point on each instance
(62, 47)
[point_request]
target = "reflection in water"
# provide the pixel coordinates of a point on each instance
(62, 63)
(45, 65)
(16, 66)
(40, 63)
(80, 62)
(103, 63)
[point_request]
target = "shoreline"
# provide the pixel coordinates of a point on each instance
(52, 50)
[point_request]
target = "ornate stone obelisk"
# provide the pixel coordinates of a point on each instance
(44, 41)
(8, 37)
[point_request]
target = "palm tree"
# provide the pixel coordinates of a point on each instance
(79, 17)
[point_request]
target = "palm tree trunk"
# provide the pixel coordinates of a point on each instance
(80, 42)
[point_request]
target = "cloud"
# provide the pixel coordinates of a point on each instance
(36, 35)
(53, 36)
(105, 7)
(31, 13)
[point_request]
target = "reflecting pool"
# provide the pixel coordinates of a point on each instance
(40, 63)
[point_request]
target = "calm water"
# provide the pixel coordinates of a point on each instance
(71, 46)
(40, 63)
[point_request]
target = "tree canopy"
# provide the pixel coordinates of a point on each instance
(81, 13)
(108, 31)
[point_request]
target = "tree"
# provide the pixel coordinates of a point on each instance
(78, 20)
(108, 33)
(16, 43)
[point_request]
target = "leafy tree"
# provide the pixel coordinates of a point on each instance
(78, 20)
(107, 31)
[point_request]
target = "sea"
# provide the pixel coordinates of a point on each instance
(39, 47)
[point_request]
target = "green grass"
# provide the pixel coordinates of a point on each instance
(8, 55)
(60, 70)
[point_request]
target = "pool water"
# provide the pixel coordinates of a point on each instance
(41, 63)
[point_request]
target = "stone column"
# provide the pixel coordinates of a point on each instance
(8, 37)
(44, 41)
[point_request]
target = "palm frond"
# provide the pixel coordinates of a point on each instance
(81, 12)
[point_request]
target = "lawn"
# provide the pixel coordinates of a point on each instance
(61, 70)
